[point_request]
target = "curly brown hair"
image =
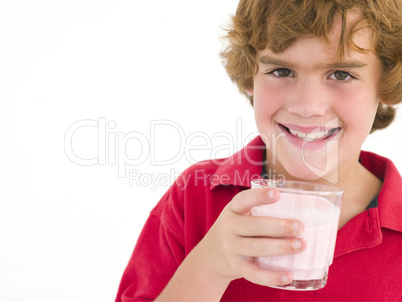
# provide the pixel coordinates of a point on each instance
(258, 24)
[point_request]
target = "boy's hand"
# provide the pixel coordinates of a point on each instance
(236, 237)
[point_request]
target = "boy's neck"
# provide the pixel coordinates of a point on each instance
(358, 193)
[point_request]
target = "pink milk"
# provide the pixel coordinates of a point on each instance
(321, 219)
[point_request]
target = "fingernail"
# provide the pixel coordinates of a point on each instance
(271, 194)
(296, 244)
(285, 279)
(296, 227)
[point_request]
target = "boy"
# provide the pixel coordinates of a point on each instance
(321, 76)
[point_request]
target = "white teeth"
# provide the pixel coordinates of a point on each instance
(310, 136)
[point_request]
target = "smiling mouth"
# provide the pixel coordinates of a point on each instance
(312, 136)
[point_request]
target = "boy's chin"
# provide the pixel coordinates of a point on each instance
(312, 174)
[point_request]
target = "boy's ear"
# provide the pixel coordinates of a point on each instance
(250, 92)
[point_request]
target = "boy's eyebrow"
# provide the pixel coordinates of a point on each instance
(266, 60)
(346, 64)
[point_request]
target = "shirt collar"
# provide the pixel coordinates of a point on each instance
(242, 167)
(389, 198)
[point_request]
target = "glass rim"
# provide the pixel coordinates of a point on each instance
(299, 187)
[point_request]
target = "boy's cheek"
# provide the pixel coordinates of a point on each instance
(269, 98)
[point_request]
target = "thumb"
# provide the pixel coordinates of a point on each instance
(243, 202)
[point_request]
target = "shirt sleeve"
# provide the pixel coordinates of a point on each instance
(158, 253)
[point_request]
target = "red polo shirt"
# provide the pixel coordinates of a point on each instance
(367, 264)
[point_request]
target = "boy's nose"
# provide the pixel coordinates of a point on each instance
(308, 99)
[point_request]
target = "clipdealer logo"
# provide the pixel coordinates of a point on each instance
(113, 148)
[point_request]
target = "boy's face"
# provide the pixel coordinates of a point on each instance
(314, 111)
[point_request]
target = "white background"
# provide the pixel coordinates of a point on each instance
(67, 230)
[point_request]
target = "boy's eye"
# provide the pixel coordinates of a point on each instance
(341, 75)
(281, 72)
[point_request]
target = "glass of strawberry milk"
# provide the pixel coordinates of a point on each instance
(318, 207)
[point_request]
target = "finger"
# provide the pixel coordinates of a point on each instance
(267, 247)
(247, 199)
(267, 226)
(253, 273)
